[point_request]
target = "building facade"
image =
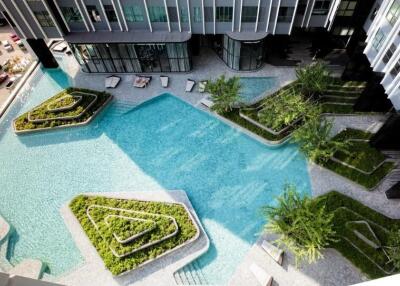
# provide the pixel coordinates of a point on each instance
(383, 40)
(137, 36)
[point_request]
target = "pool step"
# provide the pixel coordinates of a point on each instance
(190, 274)
(121, 107)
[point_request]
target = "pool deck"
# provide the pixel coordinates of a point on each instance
(157, 272)
(125, 92)
(333, 270)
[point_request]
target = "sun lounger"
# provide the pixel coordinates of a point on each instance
(141, 81)
(207, 102)
(262, 277)
(202, 86)
(189, 85)
(273, 251)
(164, 80)
(112, 81)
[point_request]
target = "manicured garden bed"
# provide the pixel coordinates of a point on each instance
(236, 118)
(365, 165)
(71, 107)
(373, 262)
(129, 233)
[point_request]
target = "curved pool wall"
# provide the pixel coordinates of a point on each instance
(163, 144)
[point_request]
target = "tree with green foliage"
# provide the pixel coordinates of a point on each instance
(303, 225)
(314, 138)
(224, 93)
(393, 248)
(313, 79)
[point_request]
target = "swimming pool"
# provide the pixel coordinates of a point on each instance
(254, 88)
(163, 144)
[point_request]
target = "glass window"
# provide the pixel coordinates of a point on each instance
(172, 13)
(249, 14)
(321, 7)
(197, 14)
(44, 18)
(343, 31)
(209, 14)
(110, 13)
(71, 14)
(395, 70)
(389, 53)
(285, 14)
(133, 13)
(129, 57)
(378, 40)
(184, 15)
(157, 14)
(393, 14)
(93, 13)
(346, 8)
(224, 14)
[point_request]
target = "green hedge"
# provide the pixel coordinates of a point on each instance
(235, 117)
(41, 111)
(103, 239)
(347, 210)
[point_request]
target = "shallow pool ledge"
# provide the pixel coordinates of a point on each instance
(157, 272)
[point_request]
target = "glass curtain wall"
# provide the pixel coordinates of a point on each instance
(242, 55)
(133, 58)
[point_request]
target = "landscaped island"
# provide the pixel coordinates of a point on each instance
(129, 233)
(70, 107)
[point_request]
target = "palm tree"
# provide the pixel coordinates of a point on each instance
(313, 79)
(224, 93)
(303, 224)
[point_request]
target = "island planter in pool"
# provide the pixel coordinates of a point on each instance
(70, 107)
(129, 233)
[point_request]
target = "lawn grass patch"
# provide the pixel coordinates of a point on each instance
(346, 211)
(368, 181)
(76, 106)
(107, 221)
(362, 156)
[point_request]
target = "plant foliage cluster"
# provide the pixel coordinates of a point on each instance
(304, 226)
(103, 238)
(313, 79)
(42, 112)
(224, 93)
(283, 109)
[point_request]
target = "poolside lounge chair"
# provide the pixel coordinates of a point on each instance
(273, 251)
(60, 48)
(206, 101)
(141, 81)
(112, 81)
(164, 80)
(202, 86)
(262, 277)
(189, 85)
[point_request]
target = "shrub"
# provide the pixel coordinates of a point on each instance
(313, 79)
(224, 93)
(282, 110)
(393, 249)
(303, 224)
(315, 142)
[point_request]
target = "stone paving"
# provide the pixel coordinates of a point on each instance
(206, 66)
(333, 270)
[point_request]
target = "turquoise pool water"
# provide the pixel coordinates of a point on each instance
(253, 88)
(163, 144)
